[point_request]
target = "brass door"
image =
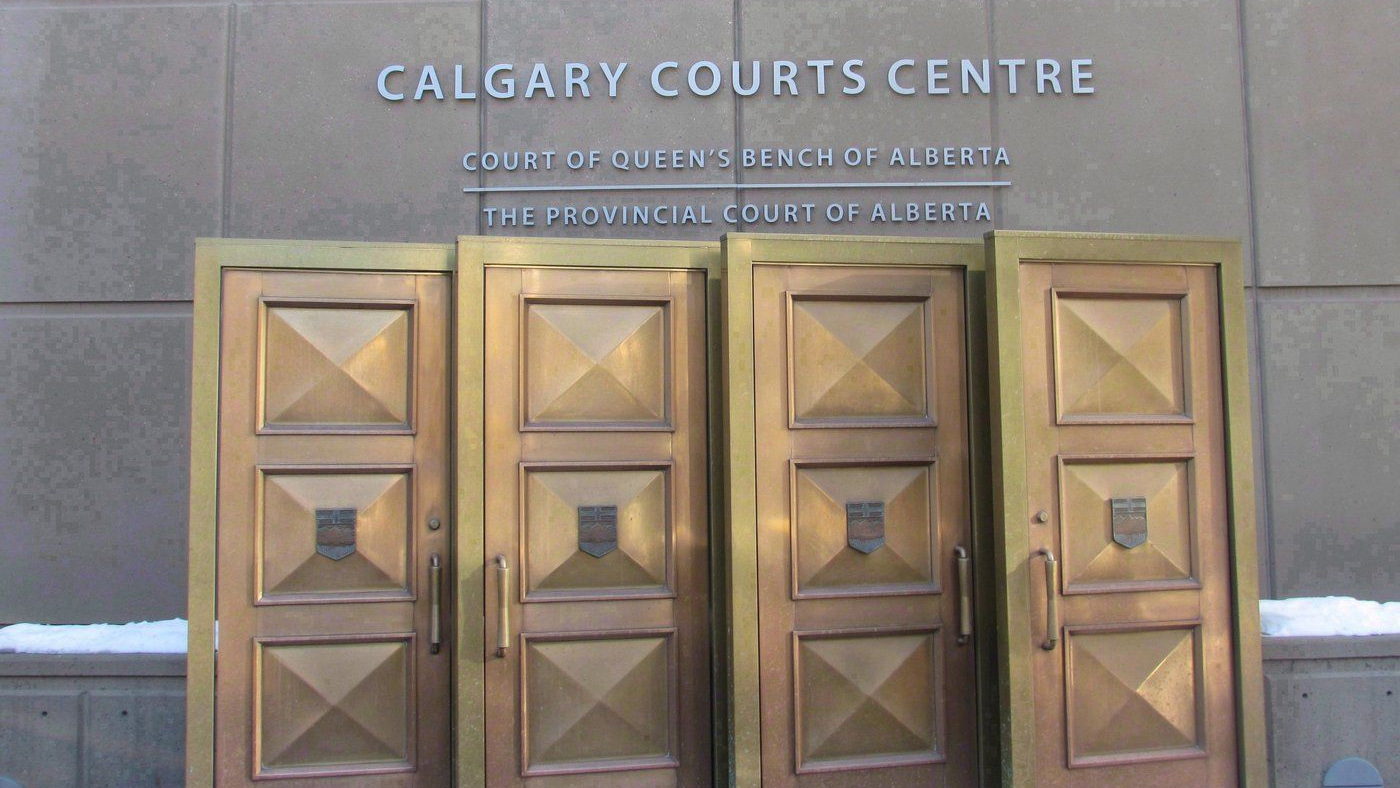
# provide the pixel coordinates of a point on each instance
(333, 491)
(598, 660)
(1125, 464)
(862, 512)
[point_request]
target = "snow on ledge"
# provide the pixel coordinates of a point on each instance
(1326, 616)
(142, 637)
(1301, 617)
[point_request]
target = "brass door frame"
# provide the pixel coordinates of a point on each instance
(736, 624)
(995, 410)
(1005, 252)
(212, 257)
(474, 255)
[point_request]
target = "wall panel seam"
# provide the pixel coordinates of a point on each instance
(225, 173)
(1264, 521)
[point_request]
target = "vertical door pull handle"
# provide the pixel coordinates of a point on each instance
(1052, 599)
(435, 594)
(503, 602)
(964, 594)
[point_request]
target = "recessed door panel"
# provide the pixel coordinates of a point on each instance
(596, 532)
(1127, 523)
(1120, 357)
(326, 707)
(333, 665)
(866, 699)
(863, 528)
(596, 558)
(596, 363)
(861, 477)
(1133, 694)
(594, 703)
(359, 520)
(336, 366)
(858, 360)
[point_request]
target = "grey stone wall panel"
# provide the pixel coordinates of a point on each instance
(110, 149)
(1332, 380)
(38, 735)
(93, 475)
(1324, 131)
(317, 154)
(1158, 148)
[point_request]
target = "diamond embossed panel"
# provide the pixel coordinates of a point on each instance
(333, 706)
(1119, 357)
(291, 568)
(555, 563)
(337, 368)
(1093, 560)
(858, 361)
(598, 703)
(1132, 695)
(825, 562)
(866, 700)
(596, 365)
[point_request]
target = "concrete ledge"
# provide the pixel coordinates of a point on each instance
(1276, 649)
(91, 665)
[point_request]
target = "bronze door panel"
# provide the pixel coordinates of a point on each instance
(862, 478)
(333, 457)
(596, 528)
(1131, 673)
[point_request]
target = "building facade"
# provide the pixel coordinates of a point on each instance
(129, 130)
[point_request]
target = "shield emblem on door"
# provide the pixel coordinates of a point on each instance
(597, 530)
(865, 525)
(1129, 521)
(335, 532)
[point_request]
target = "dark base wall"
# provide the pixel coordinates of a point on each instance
(88, 721)
(109, 721)
(1330, 698)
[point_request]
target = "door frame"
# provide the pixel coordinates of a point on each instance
(1005, 252)
(474, 255)
(737, 625)
(212, 257)
(995, 409)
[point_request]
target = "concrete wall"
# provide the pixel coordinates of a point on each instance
(1328, 699)
(115, 721)
(128, 130)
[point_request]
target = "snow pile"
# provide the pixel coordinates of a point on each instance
(1323, 616)
(142, 637)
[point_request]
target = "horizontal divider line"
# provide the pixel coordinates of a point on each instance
(80, 309)
(736, 186)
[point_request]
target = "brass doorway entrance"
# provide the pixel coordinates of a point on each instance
(1120, 500)
(1124, 463)
(557, 540)
(854, 405)
(596, 526)
(334, 669)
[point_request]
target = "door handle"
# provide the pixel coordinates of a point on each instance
(964, 594)
(1052, 599)
(503, 598)
(435, 593)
